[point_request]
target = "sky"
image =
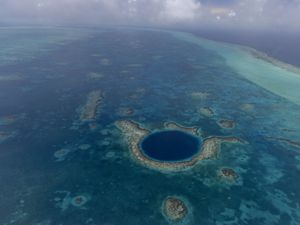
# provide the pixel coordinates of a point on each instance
(245, 14)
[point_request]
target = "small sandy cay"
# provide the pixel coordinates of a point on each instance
(174, 209)
(134, 133)
(79, 200)
(66, 200)
(89, 110)
(227, 174)
(226, 124)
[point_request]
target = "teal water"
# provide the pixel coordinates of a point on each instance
(48, 155)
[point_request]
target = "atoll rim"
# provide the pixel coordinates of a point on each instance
(134, 134)
(170, 145)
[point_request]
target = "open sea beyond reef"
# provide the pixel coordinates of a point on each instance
(54, 149)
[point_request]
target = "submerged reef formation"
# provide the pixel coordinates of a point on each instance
(12, 77)
(174, 209)
(247, 107)
(206, 111)
(175, 126)
(65, 199)
(212, 146)
(10, 119)
(84, 146)
(95, 76)
(286, 141)
(264, 56)
(135, 65)
(137, 93)
(200, 95)
(227, 174)
(105, 62)
(6, 131)
(6, 135)
(61, 154)
(79, 200)
(89, 110)
(134, 134)
(126, 111)
(226, 124)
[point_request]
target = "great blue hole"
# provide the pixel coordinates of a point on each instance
(170, 145)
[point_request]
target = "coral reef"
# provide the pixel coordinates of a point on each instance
(134, 134)
(212, 145)
(65, 199)
(137, 65)
(200, 95)
(174, 209)
(89, 110)
(7, 120)
(226, 124)
(105, 62)
(247, 107)
(6, 135)
(206, 111)
(126, 111)
(175, 126)
(95, 76)
(79, 200)
(286, 141)
(61, 154)
(84, 146)
(227, 174)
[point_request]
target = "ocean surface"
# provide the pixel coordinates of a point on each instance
(282, 45)
(50, 154)
(170, 146)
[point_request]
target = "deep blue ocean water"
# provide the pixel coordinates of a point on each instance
(154, 74)
(170, 145)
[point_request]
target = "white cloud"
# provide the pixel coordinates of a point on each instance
(242, 13)
(180, 10)
(232, 13)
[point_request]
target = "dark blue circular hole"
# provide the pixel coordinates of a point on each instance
(170, 145)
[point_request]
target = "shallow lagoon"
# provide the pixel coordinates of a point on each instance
(49, 156)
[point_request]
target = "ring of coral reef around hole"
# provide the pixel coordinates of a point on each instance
(173, 148)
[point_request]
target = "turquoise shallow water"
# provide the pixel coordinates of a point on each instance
(49, 156)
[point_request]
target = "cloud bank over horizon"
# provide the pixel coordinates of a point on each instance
(246, 14)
